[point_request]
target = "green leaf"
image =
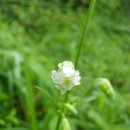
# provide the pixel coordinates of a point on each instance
(47, 95)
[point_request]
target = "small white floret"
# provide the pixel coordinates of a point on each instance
(66, 77)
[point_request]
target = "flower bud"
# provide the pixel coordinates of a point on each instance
(65, 125)
(105, 85)
(70, 108)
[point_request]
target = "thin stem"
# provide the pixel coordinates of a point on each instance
(84, 31)
(66, 96)
(58, 122)
(60, 116)
(88, 89)
(58, 96)
(47, 95)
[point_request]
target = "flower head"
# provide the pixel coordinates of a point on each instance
(66, 77)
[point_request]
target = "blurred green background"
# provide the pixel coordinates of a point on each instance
(36, 35)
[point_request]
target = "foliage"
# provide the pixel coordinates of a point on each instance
(35, 36)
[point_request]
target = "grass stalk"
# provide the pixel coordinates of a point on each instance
(31, 105)
(84, 31)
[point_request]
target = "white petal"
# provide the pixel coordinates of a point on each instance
(55, 76)
(67, 71)
(76, 78)
(68, 64)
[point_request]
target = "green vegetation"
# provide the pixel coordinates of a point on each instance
(37, 35)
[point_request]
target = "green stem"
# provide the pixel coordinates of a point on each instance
(84, 31)
(66, 96)
(58, 122)
(88, 89)
(47, 95)
(61, 115)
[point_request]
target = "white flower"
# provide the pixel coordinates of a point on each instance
(66, 77)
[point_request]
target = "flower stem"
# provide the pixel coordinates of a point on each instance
(84, 31)
(62, 115)
(66, 96)
(58, 122)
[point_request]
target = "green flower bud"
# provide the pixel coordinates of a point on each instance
(65, 125)
(70, 108)
(73, 100)
(105, 85)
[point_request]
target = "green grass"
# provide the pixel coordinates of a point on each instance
(30, 50)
